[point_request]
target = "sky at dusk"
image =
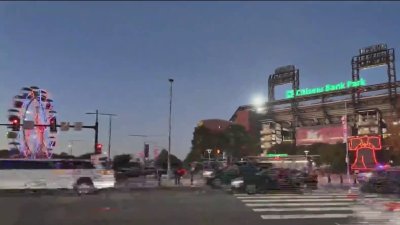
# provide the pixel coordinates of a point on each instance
(117, 57)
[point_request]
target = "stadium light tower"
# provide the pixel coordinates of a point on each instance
(258, 103)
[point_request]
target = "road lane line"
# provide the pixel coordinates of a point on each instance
(298, 204)
(301, 209)
(305, 216)
(298, 200)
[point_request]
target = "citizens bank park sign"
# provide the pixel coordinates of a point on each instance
(327, 88)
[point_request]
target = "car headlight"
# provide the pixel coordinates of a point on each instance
(207, 173)
(368, 175)
(237, 183)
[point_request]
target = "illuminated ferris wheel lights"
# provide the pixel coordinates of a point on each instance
(33, 107)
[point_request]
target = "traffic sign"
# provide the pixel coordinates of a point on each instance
(78, 126)
(64, 126)
(28, 125)
(277, 155)
(209, 151)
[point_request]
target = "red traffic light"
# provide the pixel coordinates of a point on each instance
(15, 124)
(99, 148)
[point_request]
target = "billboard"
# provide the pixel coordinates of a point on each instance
(328, 134)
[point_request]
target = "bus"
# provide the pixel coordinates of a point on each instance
(32, 174)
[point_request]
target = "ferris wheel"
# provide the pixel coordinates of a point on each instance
(32, 106)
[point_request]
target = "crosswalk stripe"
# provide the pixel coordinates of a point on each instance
(305, 216)
(298, 200)
(293, 197)
(301, 209)
(309, 205)
(298, 204)
(240, 195)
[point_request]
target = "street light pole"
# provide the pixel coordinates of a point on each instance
(109, 136)
(347, 145)
(169, 130)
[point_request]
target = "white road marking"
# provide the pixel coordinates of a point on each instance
(300, 209)
(239, 195)
(298, 200)
(293, 197)
(305, 216)
(298, 204)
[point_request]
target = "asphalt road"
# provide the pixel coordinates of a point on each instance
(174, 206)
(144, 207)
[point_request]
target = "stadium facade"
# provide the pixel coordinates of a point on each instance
(330, 113)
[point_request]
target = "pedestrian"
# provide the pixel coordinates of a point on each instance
(341, 179)
(159, 174)
(176, 175)
(192, 169)
(329, 178)
(181, 172)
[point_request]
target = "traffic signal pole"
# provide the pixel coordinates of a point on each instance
(96, 131)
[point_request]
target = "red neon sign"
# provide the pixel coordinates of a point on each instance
(365, 148)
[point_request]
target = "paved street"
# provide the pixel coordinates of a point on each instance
(194, 206)
(144, 207)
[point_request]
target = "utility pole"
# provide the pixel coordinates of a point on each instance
(169, 130)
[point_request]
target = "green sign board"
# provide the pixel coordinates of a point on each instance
(327, 88)
(277, 155)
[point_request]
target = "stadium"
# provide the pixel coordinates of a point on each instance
(351, 110)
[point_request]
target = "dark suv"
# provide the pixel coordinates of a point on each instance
(383, 181)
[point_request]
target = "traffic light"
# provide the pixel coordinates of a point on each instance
(146, 150)
(15, 123)
(218, 151)
(53, 125)
(98, 148)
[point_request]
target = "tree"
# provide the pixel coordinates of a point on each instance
(333, 155)
(162, 160)
(85, 156)
(121, 160)
(63, 155)
(235, 141)
(239, 143)
(202, 139)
